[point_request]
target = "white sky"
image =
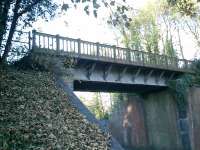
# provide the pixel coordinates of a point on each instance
(76, 24)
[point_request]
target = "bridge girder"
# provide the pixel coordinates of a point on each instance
(90, 73)
(118, 76)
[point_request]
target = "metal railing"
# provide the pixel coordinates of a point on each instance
(106, 52)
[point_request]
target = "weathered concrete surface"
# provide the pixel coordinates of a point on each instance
(194, 117)
(148, 122)
(127, 124)
(161, 121)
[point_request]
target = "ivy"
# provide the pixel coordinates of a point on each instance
(180, 88)
(196, 69)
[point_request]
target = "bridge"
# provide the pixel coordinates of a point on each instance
(103, 67)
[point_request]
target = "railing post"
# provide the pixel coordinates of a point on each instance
(177, 63)
(79, 46)
(128, 55)
(33, 38)
(143, 61)
(97, 44)
(29, 40)
(186, 63)
(114, 52)
(166, 61)
(155, 58)
(149, 58)
(57, 42)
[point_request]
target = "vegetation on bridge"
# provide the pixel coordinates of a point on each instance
(181, 86)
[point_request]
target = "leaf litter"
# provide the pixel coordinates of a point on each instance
(35, 115)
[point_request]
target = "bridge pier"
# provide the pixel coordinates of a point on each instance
(154, 121)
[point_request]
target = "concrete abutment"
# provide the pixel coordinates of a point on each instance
(153, 121)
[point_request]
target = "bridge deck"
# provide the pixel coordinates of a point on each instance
(110, 53)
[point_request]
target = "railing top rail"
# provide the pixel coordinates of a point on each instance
(116, 48)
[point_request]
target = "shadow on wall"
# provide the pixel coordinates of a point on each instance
(147, 124)
(127, 124)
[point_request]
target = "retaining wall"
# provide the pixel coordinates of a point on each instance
(153, 122)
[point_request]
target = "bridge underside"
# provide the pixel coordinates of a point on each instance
(91, 86)
(109, 77)
(97, 75)
(90, 75)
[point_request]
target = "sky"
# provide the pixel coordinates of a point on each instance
(76, 24)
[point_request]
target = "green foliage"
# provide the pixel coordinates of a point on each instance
(97, 107)
(180, 89)
(196, 69)
(134, 41)
(26, 63)
(99, 110)
(185, 7)
(117, 100)
(70, 62)
(118, 16)
(144, 32)
(169, 48)
(181, 85)
(155, 28)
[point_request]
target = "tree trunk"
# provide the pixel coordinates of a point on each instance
(5, 5)
(11, 32)
(180, 44)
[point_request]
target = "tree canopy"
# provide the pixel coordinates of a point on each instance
(144, 26)
(159, 26)
(19, 14)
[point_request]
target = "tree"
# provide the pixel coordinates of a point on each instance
(187, 19)
(97, 107)
(193, 27)
(156, 29)
(21, 13)
(143, 32)
(117, 100)
(185, 7)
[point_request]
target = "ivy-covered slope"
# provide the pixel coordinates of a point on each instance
(35, 114)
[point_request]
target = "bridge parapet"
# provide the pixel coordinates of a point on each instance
(108, 53)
